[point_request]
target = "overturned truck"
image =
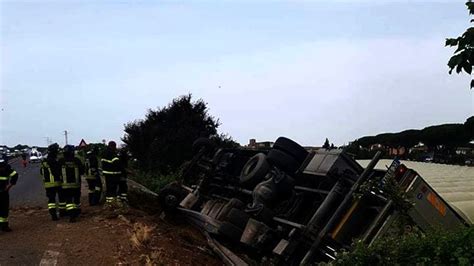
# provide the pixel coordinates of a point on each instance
(286, 205)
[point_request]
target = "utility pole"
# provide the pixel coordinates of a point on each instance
(48, 141)
(65, 135)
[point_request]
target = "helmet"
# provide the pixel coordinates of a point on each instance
(112, 145)
(69, 149)
(53, 148)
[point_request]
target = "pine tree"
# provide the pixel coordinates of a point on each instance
(326, 144)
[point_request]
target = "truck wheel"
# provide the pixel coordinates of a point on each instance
(201, 143)
(283, 161)
(254, 170)
(291, 147)
(170, 197)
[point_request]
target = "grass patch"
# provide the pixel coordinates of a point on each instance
(152, 181)
(141, 235)
(435, 248)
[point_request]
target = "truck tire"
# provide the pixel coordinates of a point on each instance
(283, 161)
(203, 143)
(254, 170)
(292, 148)
(170, 197)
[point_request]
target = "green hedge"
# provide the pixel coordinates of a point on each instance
(435, 248)
(152, 181)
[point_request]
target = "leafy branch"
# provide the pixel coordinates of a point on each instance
(463, 57)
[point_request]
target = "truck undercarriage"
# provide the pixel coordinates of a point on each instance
(286, 205)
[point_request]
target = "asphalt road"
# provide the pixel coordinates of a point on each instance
(29, 190)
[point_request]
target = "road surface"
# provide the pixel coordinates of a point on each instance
(100, 237)
(29, 190)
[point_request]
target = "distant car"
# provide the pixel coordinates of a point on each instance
(36, 157)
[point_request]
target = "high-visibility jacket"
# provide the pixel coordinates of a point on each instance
(7, 176)
(111, 165)
(71, 172)
(51, 172)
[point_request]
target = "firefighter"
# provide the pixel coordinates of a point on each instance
(123, 187)
(51, 172)
(8, 178)
(111, 169)
(93, 177)
(71, 171)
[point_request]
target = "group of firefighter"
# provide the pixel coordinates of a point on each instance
(62, 175)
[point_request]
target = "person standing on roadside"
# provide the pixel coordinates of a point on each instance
(93, 176)
(71, 171)
(23, 159)
(51, 172)
(112, 171)
(8, 178)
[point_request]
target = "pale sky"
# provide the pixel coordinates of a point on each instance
(302, 69)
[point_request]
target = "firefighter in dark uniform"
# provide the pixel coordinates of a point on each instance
(8, 178)
(93, 177)
(51, 172)
(71, 171)
(123, 187)
(112, 171)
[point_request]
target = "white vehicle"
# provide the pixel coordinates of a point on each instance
(35, 157)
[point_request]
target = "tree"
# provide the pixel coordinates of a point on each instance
(163, 140)
(20, 147)
(463, 58)
(469, 127)
(326, 144)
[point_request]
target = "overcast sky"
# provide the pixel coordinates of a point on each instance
(303, 69)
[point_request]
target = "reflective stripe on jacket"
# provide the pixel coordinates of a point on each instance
(49, 179)
(71, 171)
(111, 166)
(7, 176)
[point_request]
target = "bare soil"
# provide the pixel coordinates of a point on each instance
(101, 238)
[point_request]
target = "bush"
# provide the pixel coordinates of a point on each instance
(153, 181)
(162, 141)
(436, 248)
